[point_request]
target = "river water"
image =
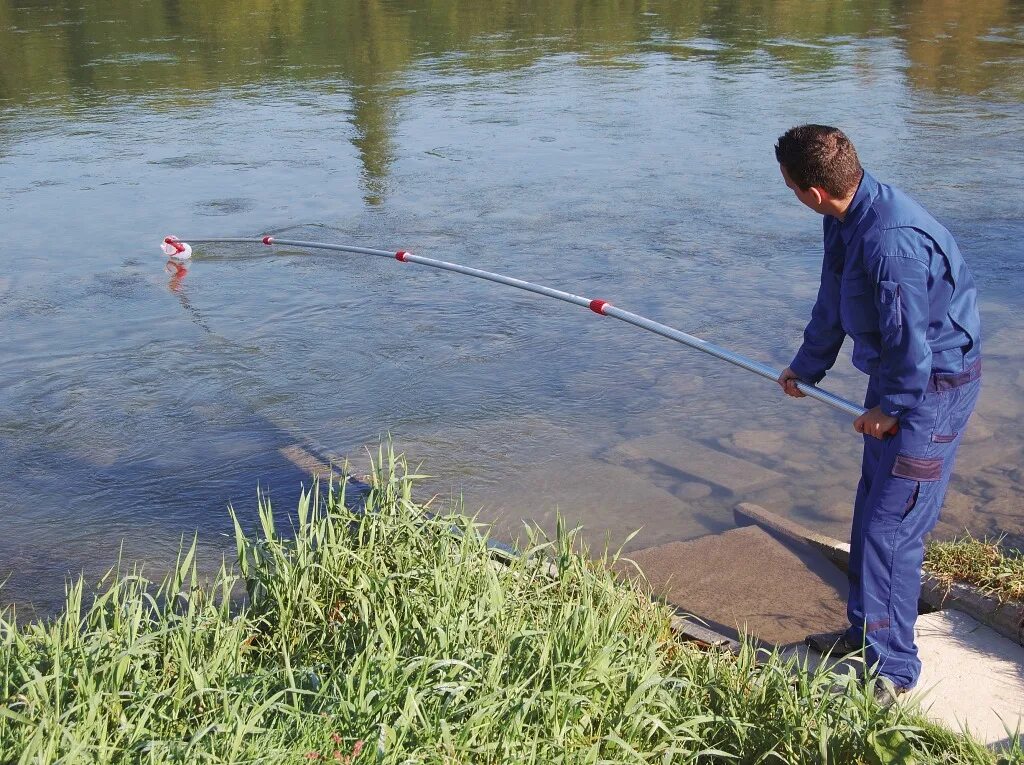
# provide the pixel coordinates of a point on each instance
(620, 150)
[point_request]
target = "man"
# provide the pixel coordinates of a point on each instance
(894, 281)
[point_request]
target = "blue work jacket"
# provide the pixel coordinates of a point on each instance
(894, 280)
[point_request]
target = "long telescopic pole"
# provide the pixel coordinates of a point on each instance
(602, 307)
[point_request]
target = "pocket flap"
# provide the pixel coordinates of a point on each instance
(889, 293)
(890, 317)
(917, 468)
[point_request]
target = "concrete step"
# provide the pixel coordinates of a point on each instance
(1005, 618)
(744, 580)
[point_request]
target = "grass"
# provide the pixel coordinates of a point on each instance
(982, 563)
(384, 638)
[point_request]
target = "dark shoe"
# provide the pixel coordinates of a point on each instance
(835, 644)
(886, 692)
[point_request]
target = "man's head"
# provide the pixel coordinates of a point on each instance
(820, 165)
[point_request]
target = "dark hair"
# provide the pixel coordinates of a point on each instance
(819, 155)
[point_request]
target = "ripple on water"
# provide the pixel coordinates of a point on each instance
(118, 286)
(220, 207)
(30, 306)
(184, 161)
(134, 59)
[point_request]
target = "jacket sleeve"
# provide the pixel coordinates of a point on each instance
(824, 334)
(905, 361)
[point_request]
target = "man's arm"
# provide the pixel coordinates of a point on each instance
(824, 335)
(906, 358)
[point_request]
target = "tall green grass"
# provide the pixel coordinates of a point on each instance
(386, 638)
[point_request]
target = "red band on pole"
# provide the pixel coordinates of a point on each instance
(268, 240)
(400, 255)
(597, 306)
(178, 246)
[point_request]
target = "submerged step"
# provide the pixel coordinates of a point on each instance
(672, 462)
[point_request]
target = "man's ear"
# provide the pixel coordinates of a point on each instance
(817, 194)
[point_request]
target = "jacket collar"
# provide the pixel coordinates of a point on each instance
(867, 190)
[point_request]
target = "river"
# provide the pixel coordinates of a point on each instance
(620, 150)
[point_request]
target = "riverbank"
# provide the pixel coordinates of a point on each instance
(383, 637)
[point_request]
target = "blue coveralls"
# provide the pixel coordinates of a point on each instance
(893, 279)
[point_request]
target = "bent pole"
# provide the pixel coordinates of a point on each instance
(602, 307)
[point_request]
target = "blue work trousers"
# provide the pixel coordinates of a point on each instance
(903, 482)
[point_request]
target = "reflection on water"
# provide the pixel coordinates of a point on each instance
(177, 271)
(621, 150)
(82, 56)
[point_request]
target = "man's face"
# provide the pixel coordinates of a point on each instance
(808, 197)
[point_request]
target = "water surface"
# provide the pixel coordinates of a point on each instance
(617, 150)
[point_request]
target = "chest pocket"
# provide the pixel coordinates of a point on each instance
(857, 309)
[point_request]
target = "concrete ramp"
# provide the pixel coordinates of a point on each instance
(744, 580)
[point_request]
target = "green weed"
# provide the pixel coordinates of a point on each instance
(984, 563)
(386, 638)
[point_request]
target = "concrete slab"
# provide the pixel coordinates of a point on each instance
(972, 677)
(744, 580)
(747, 513)
(670, 460)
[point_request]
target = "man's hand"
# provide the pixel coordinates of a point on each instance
(874, 423)
(788, 380)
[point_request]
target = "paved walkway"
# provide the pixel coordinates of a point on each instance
(972, 677)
